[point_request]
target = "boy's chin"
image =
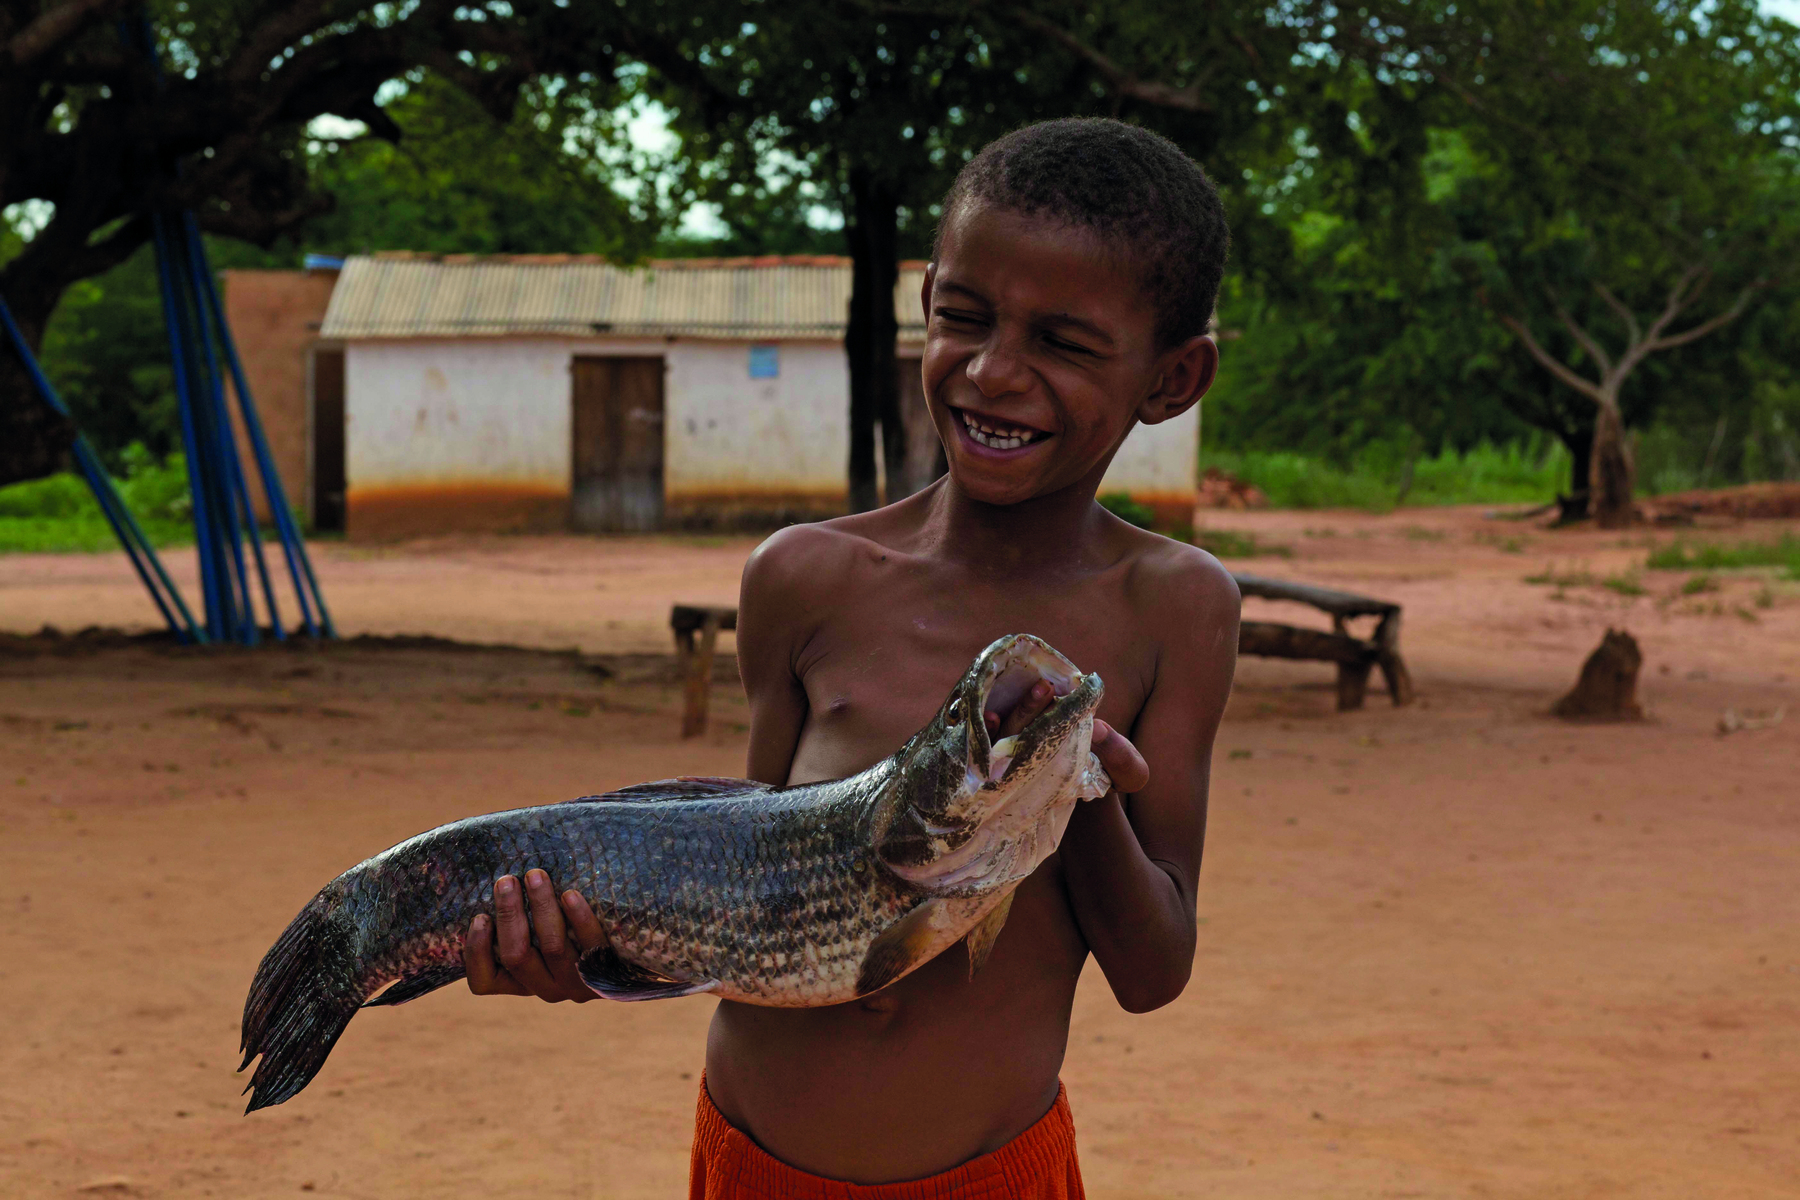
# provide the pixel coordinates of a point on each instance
(1004, 483)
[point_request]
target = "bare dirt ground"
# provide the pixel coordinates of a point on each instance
(1458, 949)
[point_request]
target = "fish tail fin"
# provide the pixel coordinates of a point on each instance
(304, 994)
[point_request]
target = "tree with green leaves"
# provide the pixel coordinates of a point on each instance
(1632, 186)
(99, 128)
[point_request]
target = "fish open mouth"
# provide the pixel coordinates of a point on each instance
(1011, 671)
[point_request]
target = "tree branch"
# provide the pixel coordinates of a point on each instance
(1705, 327)
(1595, 350)
(1633, 333)
(57, 25)
(1123, 82)
(1550, 362)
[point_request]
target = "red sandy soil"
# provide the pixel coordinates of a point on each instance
(1457, 949)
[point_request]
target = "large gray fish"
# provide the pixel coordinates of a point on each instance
(798, 896)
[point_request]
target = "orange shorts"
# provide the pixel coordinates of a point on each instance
(1039, 1164)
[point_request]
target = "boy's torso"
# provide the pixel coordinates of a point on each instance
(937, 1068)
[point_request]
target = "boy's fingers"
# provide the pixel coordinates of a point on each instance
(589, 933)
(1024, 712)
(1121, 759)
(546, 915)
(483, 973)
(554, 944)
(513, 933)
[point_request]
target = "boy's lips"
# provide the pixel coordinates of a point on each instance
(995, 433)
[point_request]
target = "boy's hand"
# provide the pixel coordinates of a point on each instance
(1121, 759)
(545, 970)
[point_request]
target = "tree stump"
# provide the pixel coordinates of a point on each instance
(1607, 689)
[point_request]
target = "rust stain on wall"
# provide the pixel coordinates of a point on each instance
(384, 514)
(750, 507)
(1172, 509)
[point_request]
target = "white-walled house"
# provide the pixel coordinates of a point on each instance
(553, 391)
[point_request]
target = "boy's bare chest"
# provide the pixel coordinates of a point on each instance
(885, 657)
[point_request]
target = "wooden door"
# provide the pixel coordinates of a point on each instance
(617, 474)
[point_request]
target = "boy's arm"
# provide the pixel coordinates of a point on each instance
(1132, 865)
(770, 630)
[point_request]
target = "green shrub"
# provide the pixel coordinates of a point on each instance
(1122, 506)
(60, 514)
(1372, 479)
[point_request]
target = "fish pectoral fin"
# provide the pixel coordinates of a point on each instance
(420, 983)
(684, 787)
(981, 939)
(617, 979)
(898, 948)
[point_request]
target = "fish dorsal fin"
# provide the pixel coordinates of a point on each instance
(617, 979)
(981, 939)
(898, 949)
(683, 787)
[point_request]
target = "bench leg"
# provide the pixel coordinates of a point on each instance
(1352, 685)
(697, 684)
(1399, 679)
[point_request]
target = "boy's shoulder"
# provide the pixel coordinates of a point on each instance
(821, 558)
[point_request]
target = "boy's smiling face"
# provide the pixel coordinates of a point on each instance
(1041, 352)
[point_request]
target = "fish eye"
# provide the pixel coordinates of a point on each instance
(954, 714)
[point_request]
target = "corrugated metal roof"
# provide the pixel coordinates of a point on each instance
(419, 296)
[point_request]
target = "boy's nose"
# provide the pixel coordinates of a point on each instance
(998, 370)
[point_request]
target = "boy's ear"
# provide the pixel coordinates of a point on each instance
(1187, 371)
(925, 290)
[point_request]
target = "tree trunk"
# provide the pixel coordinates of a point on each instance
(34, 438)
(1611, 475)
(873, 233)
(1580, 445)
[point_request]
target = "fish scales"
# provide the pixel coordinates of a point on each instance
(800, 896)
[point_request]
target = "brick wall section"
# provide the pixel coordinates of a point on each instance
(274, 317)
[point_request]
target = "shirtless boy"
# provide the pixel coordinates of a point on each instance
(1069, 292)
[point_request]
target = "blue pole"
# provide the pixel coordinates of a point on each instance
(196, 462)
(124, 526)
(232, 494)
(293, 546)
(212, 324)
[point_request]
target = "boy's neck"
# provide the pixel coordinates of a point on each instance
(1012, 539)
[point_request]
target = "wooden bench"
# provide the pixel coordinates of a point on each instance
(687, 620)
(1354, 656)
(697, 629)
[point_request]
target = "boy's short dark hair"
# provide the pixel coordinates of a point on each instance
(1126, 184)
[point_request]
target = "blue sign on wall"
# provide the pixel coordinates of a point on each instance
(765, 362)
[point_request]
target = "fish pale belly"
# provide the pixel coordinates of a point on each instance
(838, 973)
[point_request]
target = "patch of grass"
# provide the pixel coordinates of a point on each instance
(1765, 597)
(1626, 584)
(1372, 479)
(60, 515)
(1683, 555)
(1505, 543)
(1551, 577)
(1229, 543)
(1698, 584)
(1418, 533)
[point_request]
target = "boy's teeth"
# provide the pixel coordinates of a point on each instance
(996, 439)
